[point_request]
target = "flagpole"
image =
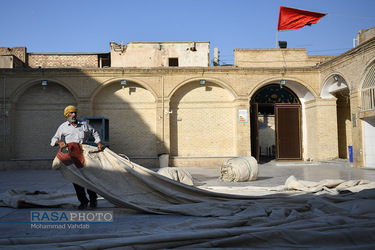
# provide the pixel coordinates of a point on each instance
(277, 34)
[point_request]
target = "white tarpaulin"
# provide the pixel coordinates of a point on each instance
(176, 174)
(341, 216)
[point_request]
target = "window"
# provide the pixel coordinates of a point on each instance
(368, 90)
(274, 94)
(173, 62)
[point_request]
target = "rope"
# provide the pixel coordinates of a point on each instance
(127, 159)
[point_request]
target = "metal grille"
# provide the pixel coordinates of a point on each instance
(275, 94)
(368, 90)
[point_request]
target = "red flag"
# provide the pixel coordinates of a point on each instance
(292, 19)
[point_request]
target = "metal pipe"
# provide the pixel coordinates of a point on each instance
(4, 114)
(32, 159)
(162, 105)
(210, 156)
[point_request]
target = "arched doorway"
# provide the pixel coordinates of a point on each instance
(276, 124)
(336, 87)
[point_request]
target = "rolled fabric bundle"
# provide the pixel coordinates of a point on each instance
(239, 169)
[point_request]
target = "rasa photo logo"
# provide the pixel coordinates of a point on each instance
(68, 219)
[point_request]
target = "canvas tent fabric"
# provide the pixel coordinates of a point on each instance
(127, 184)
(176, 174)
(300, 214)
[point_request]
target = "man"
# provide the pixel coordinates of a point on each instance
(77, 131)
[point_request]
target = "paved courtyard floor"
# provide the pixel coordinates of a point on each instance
(15, 223)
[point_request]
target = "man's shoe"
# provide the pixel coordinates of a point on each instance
(82, 206)
(93, 204)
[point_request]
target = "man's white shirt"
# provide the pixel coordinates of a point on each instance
(79, 134)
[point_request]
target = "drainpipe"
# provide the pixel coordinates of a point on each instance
(162, 106)
(5, 113)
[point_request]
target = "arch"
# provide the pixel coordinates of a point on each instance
(334, 83)
(131, 111)
(117, 80)
(367, 89)
(299, 87)
(23, 87)
(273, 93)
(365, 71)
(38, 111)
(202, 122)
(276, 123)
(336, 86)
(218, 82)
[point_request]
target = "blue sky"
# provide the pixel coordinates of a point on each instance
(89, 25)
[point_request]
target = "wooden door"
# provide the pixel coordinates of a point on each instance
(288, 132)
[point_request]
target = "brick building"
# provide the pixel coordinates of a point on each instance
(165, 98)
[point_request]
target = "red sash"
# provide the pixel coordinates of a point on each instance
(74, 155)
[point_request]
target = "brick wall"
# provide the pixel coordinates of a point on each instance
(322, 129)
(37, 115)
(204, 121)
(132, 124)
(275, 58)
(62, 61)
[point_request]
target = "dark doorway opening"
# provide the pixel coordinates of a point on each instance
(276, 124)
